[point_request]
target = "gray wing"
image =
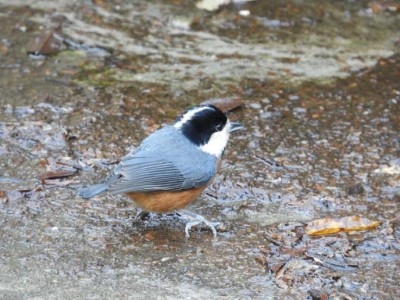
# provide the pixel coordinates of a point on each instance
(144, 173)
(165, 161)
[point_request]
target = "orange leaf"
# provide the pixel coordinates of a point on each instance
(335, 225)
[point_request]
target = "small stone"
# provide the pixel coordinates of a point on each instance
(266, 115)
(266, 101)
(255, 105)
(299, 110)
(244, 13)
(181, 24)
(355, 189)
(165, 259)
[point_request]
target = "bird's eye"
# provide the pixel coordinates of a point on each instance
(218, 127)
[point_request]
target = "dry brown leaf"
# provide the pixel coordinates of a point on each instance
(319, 187)
(261, 260)
(334, 225)
(47, 43)
(224, 104)
(3, 196)
(57, 174)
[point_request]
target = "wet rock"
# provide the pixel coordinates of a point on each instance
(255, 105)
(294, 98)
(299, 111)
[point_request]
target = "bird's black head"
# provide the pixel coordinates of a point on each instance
(207, 127)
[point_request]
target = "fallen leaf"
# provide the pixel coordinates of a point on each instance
(58, 182)
(3, 197)
(334, 264)
(224, 104)
(49, 42)
(57, 174)
(316, 293)
(319, 187)
(3, 50)
(334, 225)
(293, 268)
(379, 6)
(149, 236)
(101, 4)
(261, 260)
(293, 252)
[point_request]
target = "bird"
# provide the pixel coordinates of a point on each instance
(173, 165)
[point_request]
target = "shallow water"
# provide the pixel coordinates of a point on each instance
(319, 84)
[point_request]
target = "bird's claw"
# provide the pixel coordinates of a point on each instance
(209, 224)
(199, 220)
(142, 215)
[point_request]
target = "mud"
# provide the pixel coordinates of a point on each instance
(319, 83)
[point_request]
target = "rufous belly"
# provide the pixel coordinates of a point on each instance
(165, 201)
(162, 202)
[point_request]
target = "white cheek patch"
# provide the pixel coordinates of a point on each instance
(217, 142)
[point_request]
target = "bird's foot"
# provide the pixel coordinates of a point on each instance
(195, 219)
(209, 224)
(142, 215)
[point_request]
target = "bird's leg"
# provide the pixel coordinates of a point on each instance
(145, 215)
(194, 220)
(142, 215)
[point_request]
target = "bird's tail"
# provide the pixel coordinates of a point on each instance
(93, 190)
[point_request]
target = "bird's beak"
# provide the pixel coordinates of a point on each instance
(234, 126)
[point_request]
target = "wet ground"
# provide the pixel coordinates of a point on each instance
(320, 86)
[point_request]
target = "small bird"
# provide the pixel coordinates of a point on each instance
(173, 165)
